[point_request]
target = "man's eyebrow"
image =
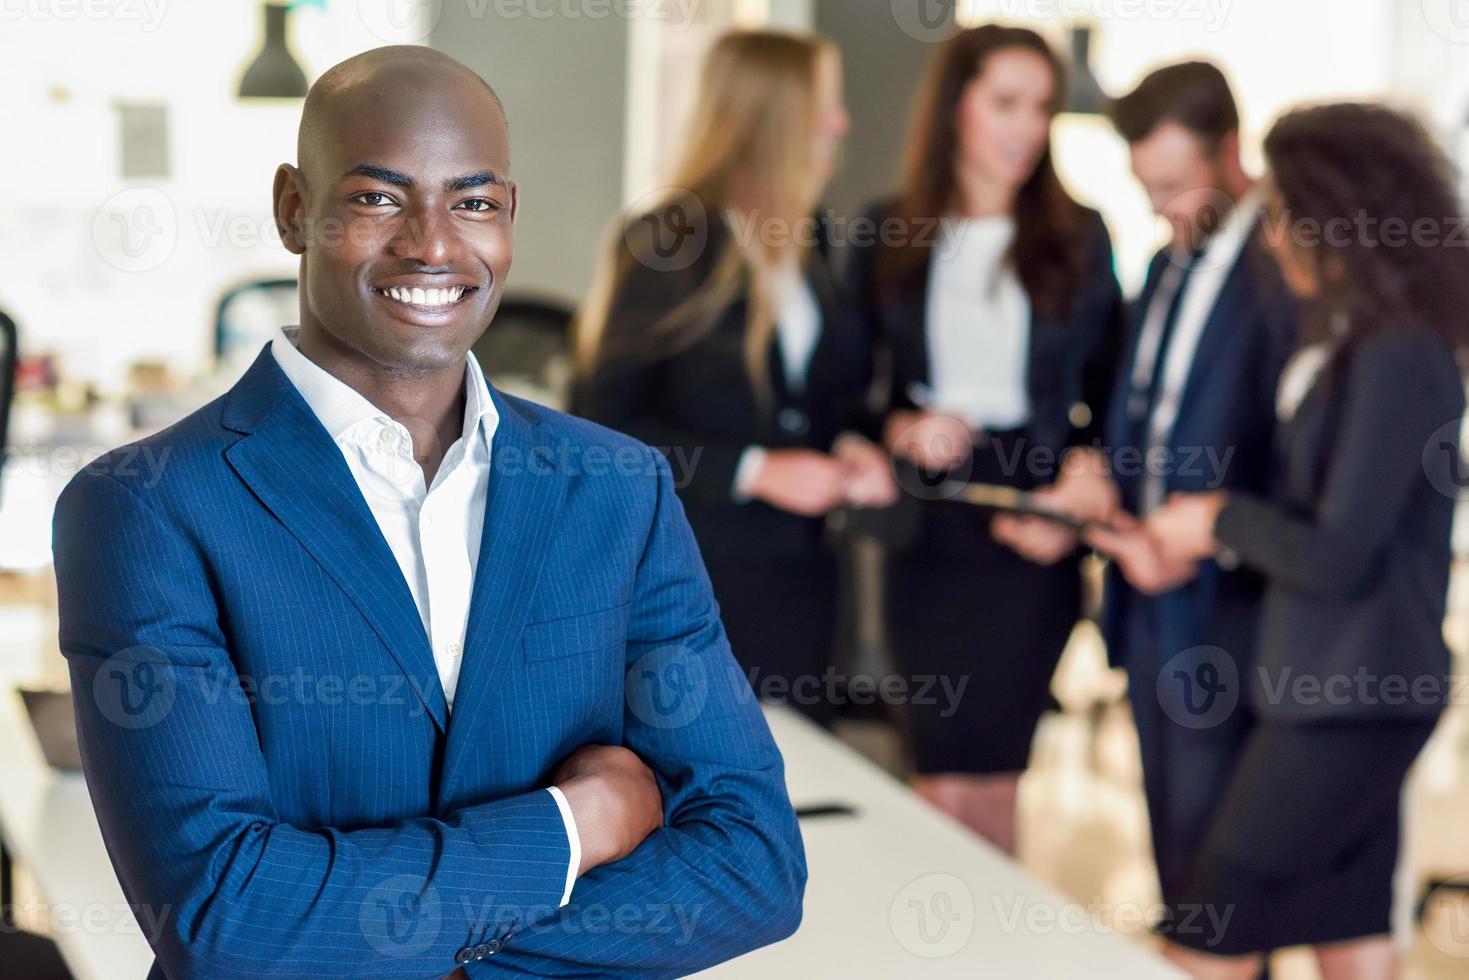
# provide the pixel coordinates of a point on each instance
(472, 180)
(387, 176)
(383, 174)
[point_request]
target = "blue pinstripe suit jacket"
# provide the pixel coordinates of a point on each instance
(280, 786)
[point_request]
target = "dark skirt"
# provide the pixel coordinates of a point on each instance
(1304, 844)
(978, 627)
(781, 618)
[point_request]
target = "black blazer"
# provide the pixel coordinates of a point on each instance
(699, 406)
(1355, 540)
(1072, 361)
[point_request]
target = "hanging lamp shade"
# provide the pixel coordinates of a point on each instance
(1083, 93)
(274, 73)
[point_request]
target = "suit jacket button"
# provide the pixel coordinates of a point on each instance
(793, 420)
(494, 946)
(481, 951)
(464, 956)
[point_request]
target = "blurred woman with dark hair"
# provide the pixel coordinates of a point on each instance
(1352, 669)
(993, 295)
(716, 332)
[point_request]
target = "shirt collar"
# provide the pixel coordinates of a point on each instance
(342, 408)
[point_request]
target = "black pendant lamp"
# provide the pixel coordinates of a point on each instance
(1083, 93)
(274, 73)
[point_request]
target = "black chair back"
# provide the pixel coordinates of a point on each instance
(527, 349)
(9, 369)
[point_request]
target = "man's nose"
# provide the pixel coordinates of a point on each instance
(428, 235)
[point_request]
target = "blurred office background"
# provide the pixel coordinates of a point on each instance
(142, 271)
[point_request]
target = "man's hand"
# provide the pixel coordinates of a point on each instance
(802, 481)
(1145, 565)
(614, 800)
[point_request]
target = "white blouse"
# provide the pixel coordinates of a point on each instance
(978, 325)
(797, 324)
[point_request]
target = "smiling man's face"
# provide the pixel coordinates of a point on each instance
(402, 209)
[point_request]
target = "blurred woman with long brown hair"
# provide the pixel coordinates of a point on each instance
(1351, 670)
(992, 292)
(715, 331)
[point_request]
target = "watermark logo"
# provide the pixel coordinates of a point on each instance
(135, 230)
(929, 21)
(401, 916)
(933, 916)
(667, 230)
(1449, 19)
(135, 688)
(667, 687)
(1443, 460)
(1199, 687)
(400, 21)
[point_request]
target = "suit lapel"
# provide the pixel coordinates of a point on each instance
(522, 506)
(295, 469)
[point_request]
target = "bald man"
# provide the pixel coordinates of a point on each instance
(388, 673)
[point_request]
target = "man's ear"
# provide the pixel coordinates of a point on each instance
(514, 201)
(289, 197)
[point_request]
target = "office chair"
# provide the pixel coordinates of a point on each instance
(9, 369)
(527, 350)
(248, 315)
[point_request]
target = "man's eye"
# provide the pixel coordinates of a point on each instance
(480, 204)
(372, 198)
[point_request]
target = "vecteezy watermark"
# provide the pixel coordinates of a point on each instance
(135, 687)
(399, 21)
(1449, 19)
(666, 230)
(135, 230)
(141, 465)
(1099, 916)
(1445, 916)
(935, 21)
(1443, 460)
(1361, 688)
(668, 687)
(676, 922)
(1199, 687)
(1210, 14)
(86, 918)
(148, 14)
(401, 916)
(933, 916)
(833, 687)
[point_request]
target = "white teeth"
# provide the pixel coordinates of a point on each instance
(446, 296)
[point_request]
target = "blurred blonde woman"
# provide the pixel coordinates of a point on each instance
(715, 331)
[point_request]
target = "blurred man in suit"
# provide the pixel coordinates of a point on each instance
(1193, 407)
(390, 674)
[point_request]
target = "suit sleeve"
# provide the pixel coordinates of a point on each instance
(1101, 314)
(182, 792)
(624, 393)
(1388, 416)
(727, 871)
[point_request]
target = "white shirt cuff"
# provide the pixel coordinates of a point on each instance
(572, 838)
(751, 460)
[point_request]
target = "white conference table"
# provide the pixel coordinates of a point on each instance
(895, 890)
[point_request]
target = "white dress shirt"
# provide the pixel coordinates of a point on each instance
(977, 325)
(433, 532)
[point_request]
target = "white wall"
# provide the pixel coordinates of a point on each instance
(72, 286)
